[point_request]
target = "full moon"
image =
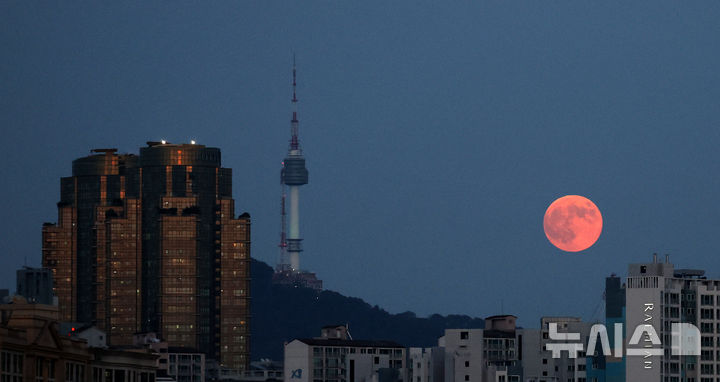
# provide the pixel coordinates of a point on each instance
(573, 223)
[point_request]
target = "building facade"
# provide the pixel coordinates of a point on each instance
(501, 352)
(660, 295)
(653, 298)
(32, 349)
(608, 367)
(35, 285)
(479, 355)
(151, 243)
(185, 365)
(333, 357)
(538, 363)
(264, 370)
(426, 364)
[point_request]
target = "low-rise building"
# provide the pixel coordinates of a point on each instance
(264, 370)
(32, 349)
(178, 363)
(94, 337)
(426, 364)
(537, 361)
(186, 365)
(480, 355)
(122, 365)
(335, 357)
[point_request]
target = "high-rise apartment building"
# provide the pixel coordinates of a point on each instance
(150, 243)
(657, 294)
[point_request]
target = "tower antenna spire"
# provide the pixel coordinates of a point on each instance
(294, 123)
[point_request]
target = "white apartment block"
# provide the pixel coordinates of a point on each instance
(482, 355)
(333, 357)
(660, 295)
(501, 353)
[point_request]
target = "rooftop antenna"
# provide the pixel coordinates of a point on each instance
(347, 330)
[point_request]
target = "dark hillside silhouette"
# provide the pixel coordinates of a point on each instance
(282, 313)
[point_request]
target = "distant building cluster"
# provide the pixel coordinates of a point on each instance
(636, 342)
(146, 278)
(501, 352)
(32, 348)
(36, 346)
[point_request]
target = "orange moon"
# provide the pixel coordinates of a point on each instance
(572, 223)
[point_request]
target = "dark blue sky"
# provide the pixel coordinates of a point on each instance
(436, 133)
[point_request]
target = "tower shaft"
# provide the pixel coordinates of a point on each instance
(294, 240)
(293, 175)
(284, 264)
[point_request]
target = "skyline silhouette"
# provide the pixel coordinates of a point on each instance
(437, 134)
